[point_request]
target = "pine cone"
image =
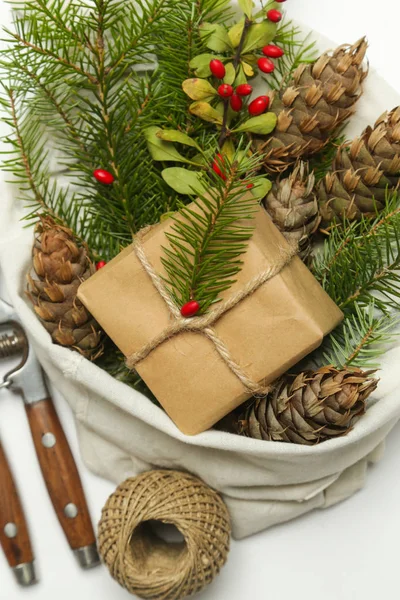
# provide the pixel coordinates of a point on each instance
(363, 171)
(317, 100)
(60, 264)
(310, 408)
(293, 207)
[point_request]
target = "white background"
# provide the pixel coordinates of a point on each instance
(348, 552)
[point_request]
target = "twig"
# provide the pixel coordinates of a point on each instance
(224, 128)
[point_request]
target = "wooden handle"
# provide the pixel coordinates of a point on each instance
(14, 535)
(60, 473)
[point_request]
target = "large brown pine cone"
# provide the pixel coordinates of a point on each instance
(60, 264)
(319, 98)
(293, 207)
(310, 408)
(363, 171)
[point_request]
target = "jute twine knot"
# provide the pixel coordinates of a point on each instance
(147, 565)
(203, 324)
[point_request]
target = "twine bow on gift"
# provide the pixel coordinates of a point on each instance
(203, 324)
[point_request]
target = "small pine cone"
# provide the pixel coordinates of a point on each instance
(318, 99)
(310, 408)
(293, 207)
(60, 264)
(363, 171)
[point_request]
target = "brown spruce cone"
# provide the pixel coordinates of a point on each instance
(293, 207)
(363, 171)
(318, 99)
(60, 264)
(310, 408)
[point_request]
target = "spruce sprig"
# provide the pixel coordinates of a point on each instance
(359, 269)
(360, 261)
(360, 340)
(209, 236)
(83, 84)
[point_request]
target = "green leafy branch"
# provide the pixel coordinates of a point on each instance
(236, 47)
(209, 236)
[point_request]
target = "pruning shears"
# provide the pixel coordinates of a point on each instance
(54, 454)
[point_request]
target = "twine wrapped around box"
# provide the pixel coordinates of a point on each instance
(145, 564)
(203, 324)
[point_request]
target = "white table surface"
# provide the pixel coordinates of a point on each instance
(348, 552)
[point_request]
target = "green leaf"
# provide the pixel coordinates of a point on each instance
(263, 124)
(247, 7)
(173, 135)
(230, 73)
(250, 58)
(261, 188)
(160, 150)
(201, 64)
(206, 112)
(215, 37)
(228, 149)
(184, 181)
(235, 33)
(248, 70)
(202, 59)
(198, 89)
(240, 77)
(259, 35)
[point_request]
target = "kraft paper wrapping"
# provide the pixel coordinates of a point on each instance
(267, 333)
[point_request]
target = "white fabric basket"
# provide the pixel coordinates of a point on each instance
(122, 433)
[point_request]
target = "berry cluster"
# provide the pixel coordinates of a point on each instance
(260, 104)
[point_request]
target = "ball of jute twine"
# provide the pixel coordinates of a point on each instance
(149, 566)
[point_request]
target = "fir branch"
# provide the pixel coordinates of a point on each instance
(359, 341)
(23, 150)
(360, 261)
(208, 238)
(359, 269)
(90, 122)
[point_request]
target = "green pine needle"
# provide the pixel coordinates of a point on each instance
(84, 83)
(359, 269)
(209, 237)
(360, 340)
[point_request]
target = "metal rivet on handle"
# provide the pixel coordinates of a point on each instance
(11, 530)
(70, 510)
(48, 440)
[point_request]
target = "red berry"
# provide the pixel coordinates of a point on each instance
(225, 90)
(266, 100)
(265, 65)
(236, 103)
(280, 1)
(258, 106)
(190, 309)
(103, 176)
(216, 166)
(217, 68)
(273, 51)
(274, 15)
(244, 89)
(100, 264)
(249, 186)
